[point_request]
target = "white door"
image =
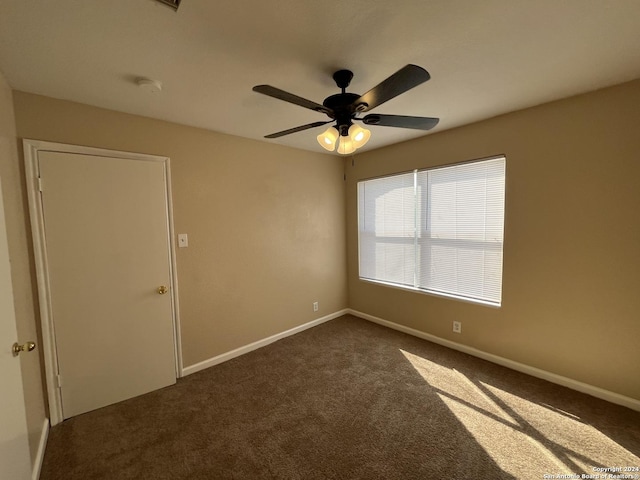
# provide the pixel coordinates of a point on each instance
(15, 462)
(106, 230)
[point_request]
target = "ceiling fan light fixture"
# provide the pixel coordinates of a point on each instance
(327, 139)
(346, 146)
(359, 136)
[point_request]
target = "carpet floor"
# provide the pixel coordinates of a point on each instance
(349, 399)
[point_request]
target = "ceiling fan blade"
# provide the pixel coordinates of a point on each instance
(404, 79)
(297, 129)
(401, 121)
(291, 98)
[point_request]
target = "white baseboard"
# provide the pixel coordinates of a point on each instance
(260, 343)
(505, 362)
(597, 392)
(37, 462)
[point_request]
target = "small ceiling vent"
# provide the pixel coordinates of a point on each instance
(171, 3)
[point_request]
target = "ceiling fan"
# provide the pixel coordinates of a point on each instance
(343, 108)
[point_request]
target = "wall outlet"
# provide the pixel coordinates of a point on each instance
(315, 306)
(457, 327)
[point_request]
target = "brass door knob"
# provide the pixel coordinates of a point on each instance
(27, 347)
(162, 289)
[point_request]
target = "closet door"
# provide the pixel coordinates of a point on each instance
(106, 226)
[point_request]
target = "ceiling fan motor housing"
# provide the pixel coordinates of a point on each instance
(343, 108)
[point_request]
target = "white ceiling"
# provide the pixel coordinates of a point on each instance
(485, 57)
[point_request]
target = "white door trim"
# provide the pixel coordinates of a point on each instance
(31, 149)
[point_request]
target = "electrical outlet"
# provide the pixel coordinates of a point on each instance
(457, 327)
(315, 306)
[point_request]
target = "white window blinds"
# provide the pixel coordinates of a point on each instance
(438, 230)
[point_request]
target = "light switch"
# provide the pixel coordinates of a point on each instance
(183, 240)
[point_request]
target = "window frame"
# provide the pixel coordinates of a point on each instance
(421, 228)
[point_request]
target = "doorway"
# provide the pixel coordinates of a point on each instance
(105, 261)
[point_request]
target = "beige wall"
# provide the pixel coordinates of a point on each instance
(572, 238)
(266, 223)
(266, 229)
(20, 253)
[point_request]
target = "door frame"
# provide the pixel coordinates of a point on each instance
(31, 150)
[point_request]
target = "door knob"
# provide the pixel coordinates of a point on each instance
(162, 289)
(27, 347)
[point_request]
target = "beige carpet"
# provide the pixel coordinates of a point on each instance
(348, 400)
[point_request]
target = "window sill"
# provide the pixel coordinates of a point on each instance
(432, 293)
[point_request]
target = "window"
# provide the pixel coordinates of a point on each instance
(438, 230)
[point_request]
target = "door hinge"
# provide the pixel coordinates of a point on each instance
(58, 381)
(40, 183)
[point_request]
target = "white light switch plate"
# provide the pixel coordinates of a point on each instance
(183, 240)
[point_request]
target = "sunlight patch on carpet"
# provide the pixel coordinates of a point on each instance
(506, 426)
(568, 431)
